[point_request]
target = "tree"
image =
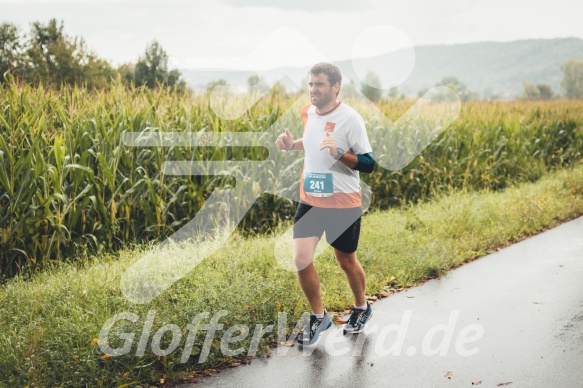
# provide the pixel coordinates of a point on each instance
(371, 87)
(213, 84)
(10, 49)
(45, 53)
(152, 69)
(536, 92)
(256, 84)
(393, 93)
(422, 91)
(460, 88)
(349, 90)
(55, 59)
(546, 91)
(531, 92)
(127, 73)
(573, 79)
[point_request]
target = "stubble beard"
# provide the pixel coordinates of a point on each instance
(321, 103)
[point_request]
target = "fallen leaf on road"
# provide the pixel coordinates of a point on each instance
(448, 374)
(503, 384)
(286, 344)
(235, 364)
(339, 320)
(477, 382)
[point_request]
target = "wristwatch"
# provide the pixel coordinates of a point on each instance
(339, 154)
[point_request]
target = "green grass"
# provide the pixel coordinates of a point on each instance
(50, 321)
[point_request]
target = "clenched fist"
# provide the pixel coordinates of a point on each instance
(328, 142)
(285, 141)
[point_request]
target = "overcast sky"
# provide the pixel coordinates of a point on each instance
(247, 34)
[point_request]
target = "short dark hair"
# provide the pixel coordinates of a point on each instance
(333, 72)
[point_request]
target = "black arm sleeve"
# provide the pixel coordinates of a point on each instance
(365, 163)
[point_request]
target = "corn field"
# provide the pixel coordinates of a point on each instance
(69, 184)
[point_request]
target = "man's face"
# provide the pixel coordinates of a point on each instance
(321, 92)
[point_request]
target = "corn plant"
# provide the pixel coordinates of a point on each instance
(68, 183)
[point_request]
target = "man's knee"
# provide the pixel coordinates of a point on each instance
(347, 261)
(304, 250)
(302, 260)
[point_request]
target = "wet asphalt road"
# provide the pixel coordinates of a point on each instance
(515, 316)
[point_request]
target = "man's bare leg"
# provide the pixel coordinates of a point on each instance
(354, 274)
(304, 249)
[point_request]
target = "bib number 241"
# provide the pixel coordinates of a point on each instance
(319, 184)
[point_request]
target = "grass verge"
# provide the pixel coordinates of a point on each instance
(51, 322)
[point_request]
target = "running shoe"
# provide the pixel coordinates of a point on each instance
(312, 332)
(357, 320)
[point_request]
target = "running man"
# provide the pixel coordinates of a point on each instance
(336, 148)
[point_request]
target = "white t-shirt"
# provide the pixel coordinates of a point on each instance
(347, 128)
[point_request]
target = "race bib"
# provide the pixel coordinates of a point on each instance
(318, 184)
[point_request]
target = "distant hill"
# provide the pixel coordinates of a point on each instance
(489, 68)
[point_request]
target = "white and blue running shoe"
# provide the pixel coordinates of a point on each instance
(312, 332)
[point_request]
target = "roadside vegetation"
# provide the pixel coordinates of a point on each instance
(51, 322)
